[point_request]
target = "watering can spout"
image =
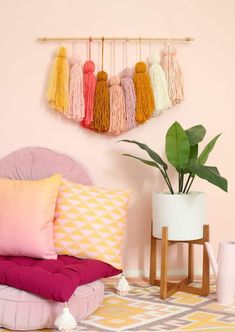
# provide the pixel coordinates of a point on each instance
(212, 258)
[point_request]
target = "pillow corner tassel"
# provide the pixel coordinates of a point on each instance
(65, 321)
(122, 287)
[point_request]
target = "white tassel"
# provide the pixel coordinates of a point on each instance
(122, 286)
(65, 322)
(159, 85)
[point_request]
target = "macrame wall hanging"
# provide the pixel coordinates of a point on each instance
(124, 101)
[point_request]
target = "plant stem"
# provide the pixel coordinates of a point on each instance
(187, 182)
(169, 182)
(191, 182)
(179, 180)
(182, 182)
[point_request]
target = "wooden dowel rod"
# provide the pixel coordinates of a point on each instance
(159, 39)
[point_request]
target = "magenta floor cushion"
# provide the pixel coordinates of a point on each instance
(52, 279)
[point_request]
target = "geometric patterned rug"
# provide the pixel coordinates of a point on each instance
(142, 310)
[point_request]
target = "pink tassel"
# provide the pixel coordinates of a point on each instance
(130, 97)
(117, 107)
(173, 75)
(76, 98)
(89, 84)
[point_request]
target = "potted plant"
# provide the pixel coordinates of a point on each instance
(181, 210)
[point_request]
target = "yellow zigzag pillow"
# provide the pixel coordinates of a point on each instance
(90, 222)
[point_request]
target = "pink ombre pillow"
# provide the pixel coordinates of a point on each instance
(27, 210)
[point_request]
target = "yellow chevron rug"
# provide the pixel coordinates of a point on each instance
(142, 310)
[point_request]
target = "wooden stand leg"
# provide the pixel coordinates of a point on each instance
(164, 254)
(206, 264)
(190, 262)
(153, 261)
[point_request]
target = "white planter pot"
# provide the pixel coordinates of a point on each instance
(184, 215)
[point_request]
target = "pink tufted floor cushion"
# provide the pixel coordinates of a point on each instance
(21, 310)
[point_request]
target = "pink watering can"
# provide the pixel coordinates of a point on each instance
(224, 270)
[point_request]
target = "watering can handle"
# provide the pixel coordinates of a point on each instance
(212, 258)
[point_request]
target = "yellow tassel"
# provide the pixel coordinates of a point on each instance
(57, 92)
(101, 118)
(144, 93)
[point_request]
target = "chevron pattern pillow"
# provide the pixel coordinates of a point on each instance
(90, 222)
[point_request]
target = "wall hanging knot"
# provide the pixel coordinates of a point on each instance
(76, 109)
(173, 75)
(117, 103)
(57, 92)
(101, 118)
(143, 91)
(89, 84)
(129, 93)
(159, 85)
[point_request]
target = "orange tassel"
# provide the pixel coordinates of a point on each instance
(144, 93)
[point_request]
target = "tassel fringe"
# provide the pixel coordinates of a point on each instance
(65, 322)
(128, 88)
(122, 286)
(57, 91)
(144, 94)
(117, 107)
(159, 85)
(101, 119)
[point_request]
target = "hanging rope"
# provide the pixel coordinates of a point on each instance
(117, 102)
(101, 119)
(129, 93)
(143, 91)
(89, 84)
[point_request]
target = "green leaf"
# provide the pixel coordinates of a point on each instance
(150, 152)
(207, 150)
(147, 162)
(193, 152)
(177, 146)
(195, 134)
(210, 174)
(192, 158)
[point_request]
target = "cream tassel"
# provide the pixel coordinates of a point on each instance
(65, 321)
(122, 286)
(159, 85)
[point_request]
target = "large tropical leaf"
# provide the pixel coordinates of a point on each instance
(150, 152)
(211, 174)
(207, 150)
(195, 134)
(177, 146)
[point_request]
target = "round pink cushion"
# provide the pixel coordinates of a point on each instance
(38, 163)
(21, 310)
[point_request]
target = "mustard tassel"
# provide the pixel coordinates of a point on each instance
(57, 92)
(101, 117)
(144, 93)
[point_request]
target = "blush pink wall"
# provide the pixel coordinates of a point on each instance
(209, 71)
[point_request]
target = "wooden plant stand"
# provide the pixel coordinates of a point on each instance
(168, 288)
